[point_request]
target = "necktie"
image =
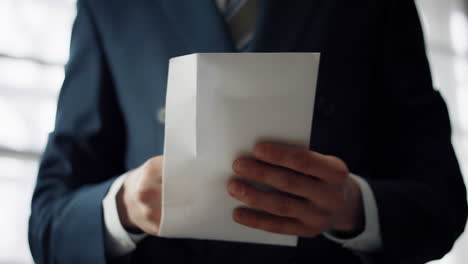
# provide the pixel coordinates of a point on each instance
(241, 17)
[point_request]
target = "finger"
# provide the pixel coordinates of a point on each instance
(279, 178)
(273, 224)
(148, 181)
(273, 203)
(152, 171)
(324, 167)
(325, 195)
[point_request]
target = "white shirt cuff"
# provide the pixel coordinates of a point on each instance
(370, 239)
(118, 241)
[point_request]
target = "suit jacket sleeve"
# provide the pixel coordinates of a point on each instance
(420, 192)
(83, 155)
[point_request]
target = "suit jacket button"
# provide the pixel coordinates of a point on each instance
(160, 115)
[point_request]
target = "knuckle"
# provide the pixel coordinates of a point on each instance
(148, 169)
(151, 215)
(145, 195)
(342, 171)
(152, 166)
(288, 181)
(303, 161)
(284, 209)
(157, 160)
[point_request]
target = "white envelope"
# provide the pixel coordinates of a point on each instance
(218, 106)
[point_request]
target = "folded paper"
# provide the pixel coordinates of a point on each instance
(218, 106)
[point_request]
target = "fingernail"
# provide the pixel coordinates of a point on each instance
(237, 215)
(237, 165)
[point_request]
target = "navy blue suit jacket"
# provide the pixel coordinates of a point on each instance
(376, 109)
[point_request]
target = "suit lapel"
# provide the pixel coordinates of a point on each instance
(199, 24)
(280, 24)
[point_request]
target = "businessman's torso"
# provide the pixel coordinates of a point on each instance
(139, 37)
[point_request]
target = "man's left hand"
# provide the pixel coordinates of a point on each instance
(315, 192)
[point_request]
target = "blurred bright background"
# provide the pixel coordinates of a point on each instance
(34, 40)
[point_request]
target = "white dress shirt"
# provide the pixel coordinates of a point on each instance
(120, 242)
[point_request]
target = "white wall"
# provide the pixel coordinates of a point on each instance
(446, 28)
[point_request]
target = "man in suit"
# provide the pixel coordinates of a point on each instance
(380, 182)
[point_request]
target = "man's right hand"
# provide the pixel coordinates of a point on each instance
(139, 199)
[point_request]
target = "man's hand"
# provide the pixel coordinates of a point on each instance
(139, 199)
(315, 194)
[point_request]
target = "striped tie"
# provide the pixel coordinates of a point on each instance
(241, 16)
